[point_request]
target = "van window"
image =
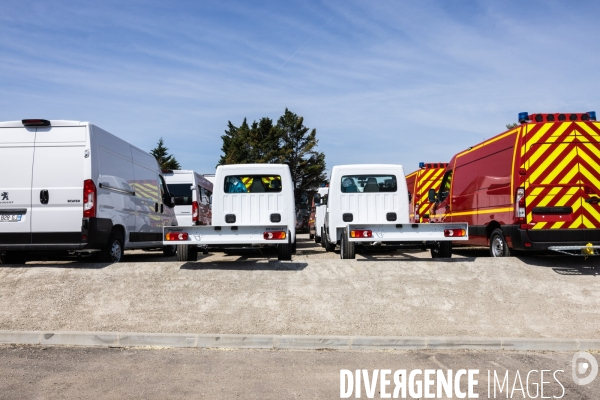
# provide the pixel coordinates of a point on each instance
(253, 184)
(182, 193)
(445, 186)
(368, 183)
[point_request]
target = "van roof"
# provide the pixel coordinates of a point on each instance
(53, 122)
(367, 166)
(246, 167)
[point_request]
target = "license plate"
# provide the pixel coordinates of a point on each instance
(10, 218)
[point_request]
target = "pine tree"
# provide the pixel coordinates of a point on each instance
(164, 159)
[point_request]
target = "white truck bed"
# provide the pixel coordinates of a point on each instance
(408, 232)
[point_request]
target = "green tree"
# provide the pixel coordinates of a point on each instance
(236, 146)
(511, 126)
(298, 150)
(165, 160)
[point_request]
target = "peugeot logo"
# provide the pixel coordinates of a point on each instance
(4, 195)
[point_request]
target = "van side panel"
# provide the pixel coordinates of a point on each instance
(147, 196)
(58, 170)
(115, 170)
(16, 153)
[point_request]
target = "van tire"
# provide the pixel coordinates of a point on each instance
(113, 251)
(498, 245)
(323, 238)
(186, 252)
(347, 248)
(317, 238)
(284, 250)
(169, 251)
(329, 247)
(14, 257)
(442, 250)
(311, 236)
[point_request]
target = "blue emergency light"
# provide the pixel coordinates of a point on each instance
(421, 165)
(592, 115)
(523, 117)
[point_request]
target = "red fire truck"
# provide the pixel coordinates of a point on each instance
(428, 176)
(535, 187)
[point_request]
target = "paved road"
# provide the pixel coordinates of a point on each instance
(62, 372)
(390, 294)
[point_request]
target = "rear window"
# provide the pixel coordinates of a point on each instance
(182, 193)
(253, 184)
(368, 183)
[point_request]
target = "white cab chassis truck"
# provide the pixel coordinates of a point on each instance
(253, 205)
(71, 186)
(320, 211)
(368, 205)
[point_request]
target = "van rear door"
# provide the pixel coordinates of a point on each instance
(16, 153)
(553, 188)
(57, 184)
(588, 150)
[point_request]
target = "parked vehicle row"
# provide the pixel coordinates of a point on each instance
(535, 187)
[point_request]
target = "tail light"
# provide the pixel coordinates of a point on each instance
(194, 212)
(274, 235)
(455, 232)
(89, 199)
(520, 205)
(176, 236)
(416, 213)
(361, 233)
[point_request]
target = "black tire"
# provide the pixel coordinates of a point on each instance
(311, 236)
(113, 251)
(498, 245)
(317, 239)
(329, 247)
(323, 238)
(169, 251)
(284, 250)
(15, 257)
(347, 249)
(442, 250)
(294, 247)
(186, 252)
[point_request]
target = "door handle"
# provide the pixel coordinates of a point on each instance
(155, 207)
(44, 196)
(162, 209)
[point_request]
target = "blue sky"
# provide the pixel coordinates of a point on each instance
(381, 81)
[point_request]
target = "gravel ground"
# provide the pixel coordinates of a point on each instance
(390, 294)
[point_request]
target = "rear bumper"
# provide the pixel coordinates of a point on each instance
(406, 233)
(226, 235)
(524, 241)
(95, 231)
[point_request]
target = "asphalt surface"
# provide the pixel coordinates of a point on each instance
(63, 372)
(387, 294)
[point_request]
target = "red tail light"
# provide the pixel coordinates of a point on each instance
(274, 235)
(520, 205)
(89, 199)
(361, 233)
(455, 232)
(176, 236)
(195, 212)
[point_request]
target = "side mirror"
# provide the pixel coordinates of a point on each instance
(317, 199)
(432, 196)
(171, 202)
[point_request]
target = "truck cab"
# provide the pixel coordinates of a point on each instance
(368, 204)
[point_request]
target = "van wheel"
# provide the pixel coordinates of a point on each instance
(317, 238)
(347, 248)
(311, 236)
(498, 246)
(442, 250)
(284, 251)
(113, 251)
(186, 252)
(14, 257)
(329, 247)
(169, 251)
(323, 238)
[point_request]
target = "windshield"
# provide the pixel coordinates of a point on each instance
(368, 183)
(253, 184)
(182, 193)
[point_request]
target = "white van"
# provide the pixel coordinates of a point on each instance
(368, 204)
(253, 205)
(192, 194)
(69, 185)
(320, 201)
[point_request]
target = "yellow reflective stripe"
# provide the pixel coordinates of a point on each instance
(548, 160)
(486, 143)
(560, 167)
(482, 211)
